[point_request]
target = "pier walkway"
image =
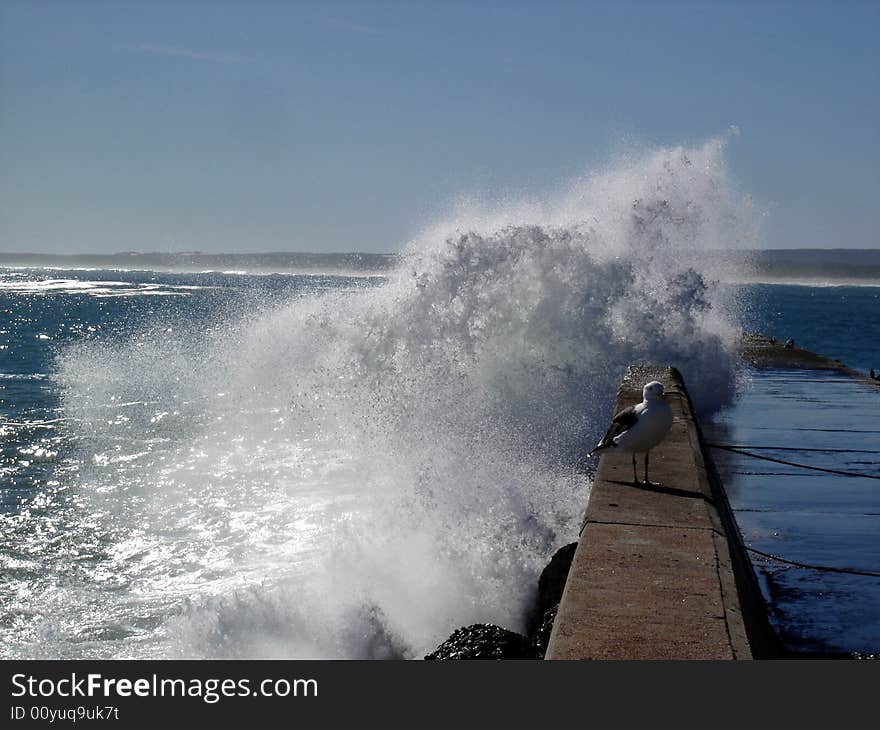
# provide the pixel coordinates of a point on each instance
(782, 560)
(654, 575)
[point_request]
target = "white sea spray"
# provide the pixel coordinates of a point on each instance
(359, 472)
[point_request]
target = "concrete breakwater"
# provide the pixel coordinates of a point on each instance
(763, 352)
(659, 572)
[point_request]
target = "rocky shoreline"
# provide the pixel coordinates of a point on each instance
(488, 641)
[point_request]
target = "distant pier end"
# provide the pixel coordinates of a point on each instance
(660, 572)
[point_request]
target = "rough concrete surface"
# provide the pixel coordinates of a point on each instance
(652, 576)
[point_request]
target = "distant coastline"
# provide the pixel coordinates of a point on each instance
(803, 266)
(820, 283)
(198, 262)
(806, 267)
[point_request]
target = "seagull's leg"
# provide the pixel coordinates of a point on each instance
(648, 481)
(635, 474)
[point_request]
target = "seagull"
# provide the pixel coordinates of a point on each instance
(639, 428)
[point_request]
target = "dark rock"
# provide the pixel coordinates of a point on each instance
(550, 586)
(541, 636)
(485, 641)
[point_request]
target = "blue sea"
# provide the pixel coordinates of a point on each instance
(802, 482)
(341, 464)
(839, 322)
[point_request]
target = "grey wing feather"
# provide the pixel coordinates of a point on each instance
(620, 423)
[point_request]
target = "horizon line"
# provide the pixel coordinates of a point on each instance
(6, 254)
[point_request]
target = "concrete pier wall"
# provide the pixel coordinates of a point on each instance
(659, 572)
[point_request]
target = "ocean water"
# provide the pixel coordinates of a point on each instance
(827, 523)
(840, 322)
(349, 465)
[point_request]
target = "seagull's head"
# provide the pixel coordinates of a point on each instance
(653, 390)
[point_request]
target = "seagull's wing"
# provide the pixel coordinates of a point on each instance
(620, 423)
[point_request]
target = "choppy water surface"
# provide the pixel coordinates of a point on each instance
(225, 465)
(211, 465)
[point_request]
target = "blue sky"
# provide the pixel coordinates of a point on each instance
(285, 126)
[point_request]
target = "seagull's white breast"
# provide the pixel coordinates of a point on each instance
(655, 420)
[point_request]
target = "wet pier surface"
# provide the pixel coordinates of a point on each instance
(826, 419)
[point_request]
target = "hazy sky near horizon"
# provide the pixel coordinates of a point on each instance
(346, 126)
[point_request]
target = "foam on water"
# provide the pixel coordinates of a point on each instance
(356, 473)
(11, 283)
